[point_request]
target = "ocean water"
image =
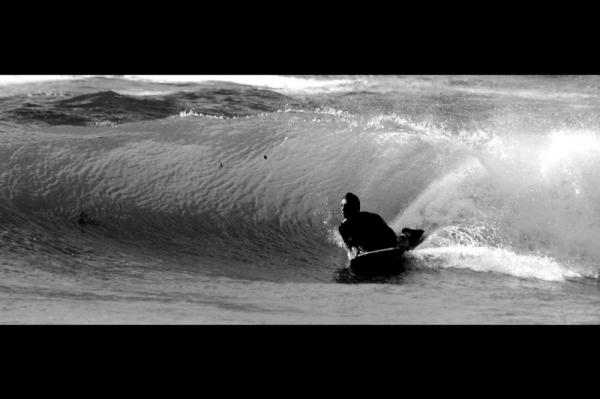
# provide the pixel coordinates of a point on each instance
(215, 199)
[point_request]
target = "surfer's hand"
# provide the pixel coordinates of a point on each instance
(352, 253)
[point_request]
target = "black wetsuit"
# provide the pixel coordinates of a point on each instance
(368, 232)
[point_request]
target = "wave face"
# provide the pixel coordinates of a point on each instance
(243, 178)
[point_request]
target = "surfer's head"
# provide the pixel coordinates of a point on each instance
(350, 205)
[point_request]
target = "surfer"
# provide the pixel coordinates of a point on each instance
(364, 231)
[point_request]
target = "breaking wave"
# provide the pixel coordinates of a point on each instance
(245, 178)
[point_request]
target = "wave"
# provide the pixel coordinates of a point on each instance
(213, 194)
(254, 176)
(112, 107)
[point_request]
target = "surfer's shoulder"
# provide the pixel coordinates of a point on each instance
(364, 216)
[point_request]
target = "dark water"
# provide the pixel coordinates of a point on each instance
(216, 199)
